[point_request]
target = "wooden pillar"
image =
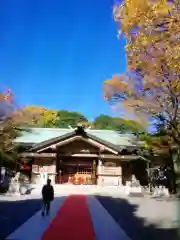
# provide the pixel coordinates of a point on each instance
(59, 160)
(57, 178)
(94, 167)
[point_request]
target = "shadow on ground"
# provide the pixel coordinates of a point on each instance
(14, 213)
(135, 227)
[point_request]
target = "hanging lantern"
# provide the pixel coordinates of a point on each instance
(25, 166)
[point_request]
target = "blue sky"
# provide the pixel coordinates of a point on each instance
(57, 53)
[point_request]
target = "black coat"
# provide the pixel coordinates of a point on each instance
(48, 193)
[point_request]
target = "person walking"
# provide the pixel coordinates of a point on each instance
(47, 196)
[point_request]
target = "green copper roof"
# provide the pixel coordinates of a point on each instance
(37, 135)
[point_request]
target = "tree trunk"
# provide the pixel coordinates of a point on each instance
(176, 169)
(172, 174)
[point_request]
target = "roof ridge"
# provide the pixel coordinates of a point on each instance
(108, 130)
(68, 129)
(100, 130)
(51, 129)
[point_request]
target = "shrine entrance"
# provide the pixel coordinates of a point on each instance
(78, 157)
(75, 171)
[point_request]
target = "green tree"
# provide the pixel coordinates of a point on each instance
(128, 126)
(67, 119)
(104, 122)
(117, 124)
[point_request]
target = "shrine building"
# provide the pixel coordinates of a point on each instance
(81, 156)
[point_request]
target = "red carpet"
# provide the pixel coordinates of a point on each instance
(73, 221)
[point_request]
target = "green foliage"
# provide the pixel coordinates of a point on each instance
(104, 122)
(118, 124)
(67, 119)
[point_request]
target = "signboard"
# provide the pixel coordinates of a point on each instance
(51, 169)
(110, 170)
(35, 168)
(85, 151)
(44, 169)
(76, 164)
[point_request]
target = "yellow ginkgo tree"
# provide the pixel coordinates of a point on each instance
(151, 85)
(41, 116)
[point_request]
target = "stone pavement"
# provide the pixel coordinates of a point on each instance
(72, 217)
(143, 218)
(112, 214)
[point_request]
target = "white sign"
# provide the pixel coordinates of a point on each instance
(110, 170)
(35, 168)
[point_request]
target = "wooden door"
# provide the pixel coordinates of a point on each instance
(126, 172)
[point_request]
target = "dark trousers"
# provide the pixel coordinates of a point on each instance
(46, 206)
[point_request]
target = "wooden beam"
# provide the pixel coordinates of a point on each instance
(103, 156)
(39, 155)
(72, 139)
(101, 146)
(85, 155)
(121, 157)
(64, 142)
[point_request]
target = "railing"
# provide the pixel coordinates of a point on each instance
(79, 178)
